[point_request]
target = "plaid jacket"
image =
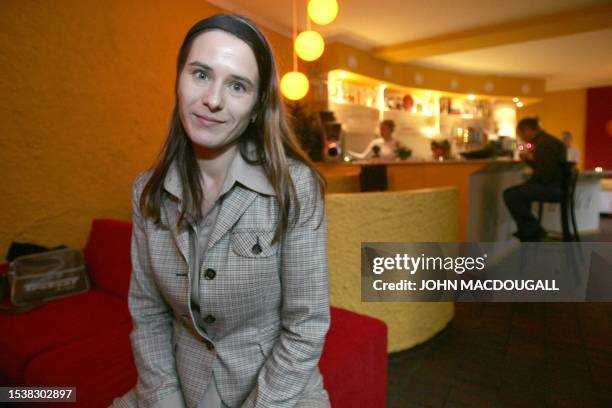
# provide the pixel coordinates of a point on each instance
(266, 308)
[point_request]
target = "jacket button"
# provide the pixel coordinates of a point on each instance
(209, 319)
(210, 273)
(256, 249)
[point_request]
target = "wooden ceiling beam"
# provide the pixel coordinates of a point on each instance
(527, 29)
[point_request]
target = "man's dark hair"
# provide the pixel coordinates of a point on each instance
(531, 123)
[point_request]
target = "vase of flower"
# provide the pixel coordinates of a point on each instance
(402, 152)
(376, 151)
(441, 149)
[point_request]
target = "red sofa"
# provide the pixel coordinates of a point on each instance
(82, 341)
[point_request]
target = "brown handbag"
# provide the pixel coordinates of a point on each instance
(38, 278)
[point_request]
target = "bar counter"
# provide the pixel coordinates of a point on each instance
(428, 215)
(418, 174)
(483, 216)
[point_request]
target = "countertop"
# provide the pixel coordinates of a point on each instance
(413, 162)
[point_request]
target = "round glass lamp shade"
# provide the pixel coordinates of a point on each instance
(309, 45)
(294, 85)
(322, 11)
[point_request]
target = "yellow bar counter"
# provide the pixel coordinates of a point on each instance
(413, 174)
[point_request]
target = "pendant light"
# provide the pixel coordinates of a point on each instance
(294, 85)
(309, 45)
(322, 12)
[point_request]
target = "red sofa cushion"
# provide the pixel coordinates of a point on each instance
(60, 321)
(107, 255)
(101, 367)
(354, 360)
(353, 364)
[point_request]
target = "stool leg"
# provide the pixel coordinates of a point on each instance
(565, 221)
(540, 209)
(573, 214)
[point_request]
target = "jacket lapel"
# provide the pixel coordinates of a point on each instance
(180, 235)
(234, 204)
(173, 208)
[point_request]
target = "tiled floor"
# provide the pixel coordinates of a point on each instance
(512, 355)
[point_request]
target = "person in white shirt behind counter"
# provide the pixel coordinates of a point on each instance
(388, 146)
(573, 155)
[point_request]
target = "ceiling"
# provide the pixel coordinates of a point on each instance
(569, 61)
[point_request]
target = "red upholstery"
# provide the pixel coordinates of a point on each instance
(107, 255)
(354, 360)
(27, 334)
(101, 368)
(6, 302)
(83, 340)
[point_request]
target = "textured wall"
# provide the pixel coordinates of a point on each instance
(429, 215)
(87, 92)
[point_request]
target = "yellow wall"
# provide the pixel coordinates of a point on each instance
(559, 111)
(86, 98)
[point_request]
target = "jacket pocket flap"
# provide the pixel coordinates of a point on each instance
(253, 243)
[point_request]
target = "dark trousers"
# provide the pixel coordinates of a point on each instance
(518, 200)
(373, 177)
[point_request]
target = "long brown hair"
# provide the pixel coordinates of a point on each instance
(273, 138)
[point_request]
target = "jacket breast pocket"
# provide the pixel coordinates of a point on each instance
(252, 243)
(254, 264)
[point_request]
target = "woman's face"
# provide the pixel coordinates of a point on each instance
(385, 132)
(217, 89)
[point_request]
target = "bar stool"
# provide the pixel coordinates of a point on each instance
(569, 178)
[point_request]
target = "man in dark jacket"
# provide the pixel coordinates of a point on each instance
(547, 156)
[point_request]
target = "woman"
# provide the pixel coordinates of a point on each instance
(385, 145)
(229, 290)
